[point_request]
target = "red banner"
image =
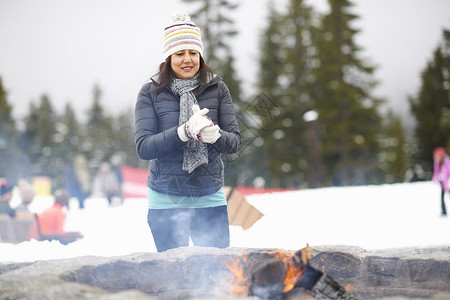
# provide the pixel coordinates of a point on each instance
(134, 182)
(249, 190)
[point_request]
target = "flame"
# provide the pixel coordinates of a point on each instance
(323, 267)
(293, 272)
(240, 281)
(349, 288)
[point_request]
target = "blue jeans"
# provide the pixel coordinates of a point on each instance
(207, 227)
(443, 210)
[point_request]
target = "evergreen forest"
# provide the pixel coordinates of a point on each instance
(314, 121)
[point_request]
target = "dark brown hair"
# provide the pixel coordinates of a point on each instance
(166, 74)
(62, 197)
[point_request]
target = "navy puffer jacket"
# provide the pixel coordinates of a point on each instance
(157, 140)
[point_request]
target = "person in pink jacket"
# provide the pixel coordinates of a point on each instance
(441, 174)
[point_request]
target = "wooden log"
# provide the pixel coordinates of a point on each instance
(277, 278)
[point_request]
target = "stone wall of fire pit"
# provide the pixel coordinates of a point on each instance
(195, 272)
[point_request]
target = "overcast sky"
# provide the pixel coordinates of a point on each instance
(63, 47)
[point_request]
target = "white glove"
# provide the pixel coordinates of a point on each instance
(192, 128)
(210, 134)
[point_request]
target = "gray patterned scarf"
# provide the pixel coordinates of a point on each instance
(195, 153)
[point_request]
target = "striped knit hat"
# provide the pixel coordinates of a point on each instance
(183, 34)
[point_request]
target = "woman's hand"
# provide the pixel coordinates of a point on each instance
(210, 134)
(198, 121)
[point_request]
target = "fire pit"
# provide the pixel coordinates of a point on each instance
(285, 275)
(196, 273)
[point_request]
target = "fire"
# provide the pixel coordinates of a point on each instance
(317, 266)
(349, 288)
(240, 281)
(292, 276)
(293, 272)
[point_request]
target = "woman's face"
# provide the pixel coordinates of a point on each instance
(439, 158)
(185, 63)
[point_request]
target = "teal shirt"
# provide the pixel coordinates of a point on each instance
(163, 201)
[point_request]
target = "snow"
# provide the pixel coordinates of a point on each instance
(371, 217)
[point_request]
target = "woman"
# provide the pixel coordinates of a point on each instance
(184, 120)
(441, 174)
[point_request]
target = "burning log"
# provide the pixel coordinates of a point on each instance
(277, 278)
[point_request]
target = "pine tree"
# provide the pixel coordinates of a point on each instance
(7, 123)
(229, 76)
(68, 140)
(431, 107)
(349, 120)
(255, 115)
(123, 137)
(30, 141)
(72, 132)
(6, 120)
(98, 143)
(212, 17)
(46, 122)
(40, 124)
(285, 75)
(296, 99)
(10, 154)
(271, 62)
(252, 157)
(394, 153)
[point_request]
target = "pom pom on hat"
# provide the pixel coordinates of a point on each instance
(183, 34)
(179, 17)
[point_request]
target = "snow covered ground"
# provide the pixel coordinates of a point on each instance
(371, 217)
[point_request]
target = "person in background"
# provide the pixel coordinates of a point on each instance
(52, 220)
(441, 174)
(184, 120)
(5, 198)
(116, 166)
(83, 179)
(71, 183)
(106, 183)
(27, 194)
